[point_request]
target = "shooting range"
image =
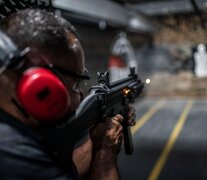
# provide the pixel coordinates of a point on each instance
(166, 42)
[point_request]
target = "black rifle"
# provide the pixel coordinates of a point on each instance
(104, 100)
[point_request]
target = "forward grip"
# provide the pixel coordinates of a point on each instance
(128, 144)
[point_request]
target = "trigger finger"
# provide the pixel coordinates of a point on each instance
(118, 118)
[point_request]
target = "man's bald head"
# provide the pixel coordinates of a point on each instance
(41, 30)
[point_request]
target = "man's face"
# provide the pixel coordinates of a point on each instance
(74, 63)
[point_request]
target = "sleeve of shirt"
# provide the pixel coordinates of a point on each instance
(23, 158)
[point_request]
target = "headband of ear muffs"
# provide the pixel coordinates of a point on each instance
(40, 92)
(10, 56)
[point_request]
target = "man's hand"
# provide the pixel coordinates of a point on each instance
(108, 135)
(107, 139)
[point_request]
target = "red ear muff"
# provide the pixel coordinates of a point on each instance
(42, 94)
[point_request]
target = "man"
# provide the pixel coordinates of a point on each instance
(54, 50)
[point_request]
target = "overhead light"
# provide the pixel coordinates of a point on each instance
(102, 24)
(148, 81)
(134, 23)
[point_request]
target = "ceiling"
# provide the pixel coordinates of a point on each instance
(165, 7)
(139, 1)
(132, 15)
(112, 15)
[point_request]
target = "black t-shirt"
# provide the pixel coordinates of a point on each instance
(23, 157)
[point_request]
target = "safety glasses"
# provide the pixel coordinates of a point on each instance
(84, 76)
(80, 80)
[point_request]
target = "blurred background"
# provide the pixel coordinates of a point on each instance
(166, 41)
(161, 38)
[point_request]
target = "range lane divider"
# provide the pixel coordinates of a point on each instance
(146, 117)
(170, 143)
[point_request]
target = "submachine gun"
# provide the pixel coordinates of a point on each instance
(104, 100)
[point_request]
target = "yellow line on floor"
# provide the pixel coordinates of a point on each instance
(170, 143)
(148, 115)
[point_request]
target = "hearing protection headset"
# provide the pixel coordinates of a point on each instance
(39, 90)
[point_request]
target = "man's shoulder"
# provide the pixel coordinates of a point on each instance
(11, 138)
(17, 147)
(23, 157)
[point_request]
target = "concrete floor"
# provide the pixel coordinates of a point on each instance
(170, 140)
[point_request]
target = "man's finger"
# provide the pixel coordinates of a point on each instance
(118, 118)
